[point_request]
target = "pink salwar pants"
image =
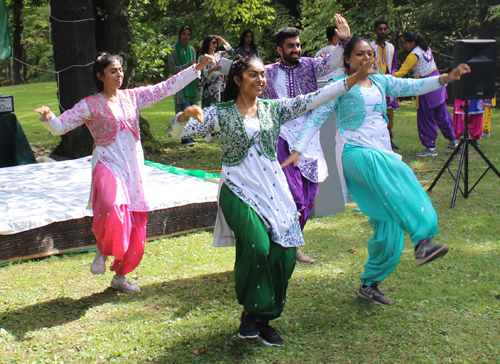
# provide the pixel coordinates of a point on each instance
(118, 231)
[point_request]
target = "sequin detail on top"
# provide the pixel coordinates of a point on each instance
(425, 64)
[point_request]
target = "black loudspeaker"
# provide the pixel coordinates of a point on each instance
(480, 55)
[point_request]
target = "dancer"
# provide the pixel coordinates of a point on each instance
(180, 58)
(212, 83)
(488, 104)
(295, 75)
(247, 45)
(383, 186)
(476, 111)
(431, 107)
(118, 192)
(257, 212)
(386, 53)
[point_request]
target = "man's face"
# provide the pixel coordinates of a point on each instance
(291, 51)
(185, 36)
(381, 32)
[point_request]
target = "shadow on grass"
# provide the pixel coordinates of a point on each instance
(181, 294)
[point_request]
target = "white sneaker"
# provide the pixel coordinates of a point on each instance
(486, 135)
(99, 264)
(121, 283)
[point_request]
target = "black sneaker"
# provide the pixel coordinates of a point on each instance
(374, 294)
(268, 335)
(188, 142)
(426, 251)
(248, 328)
(393, 145)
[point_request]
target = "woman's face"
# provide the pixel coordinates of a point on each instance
(248, 38)
(112, 76)
(253, 80)
(214, 44)
(409, 46)
(360, 54)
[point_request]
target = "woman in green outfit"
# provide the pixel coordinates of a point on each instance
(257, 212)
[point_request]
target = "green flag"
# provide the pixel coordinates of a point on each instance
(4, 32)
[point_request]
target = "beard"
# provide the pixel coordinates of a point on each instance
(290, 59)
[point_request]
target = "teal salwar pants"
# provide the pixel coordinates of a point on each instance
(387, 191)
(262, 267)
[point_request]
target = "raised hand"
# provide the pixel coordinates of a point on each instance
(343, 31)
(205, 61)
(193, 111)
(293, 158)
(455, 75)
(43, 111)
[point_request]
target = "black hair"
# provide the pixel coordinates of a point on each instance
(205, 45)
(417, 38)
(330, 32)
(242, 39)
(378, 22)
(183, 28)
(349, 47)
(285, 33)
(240, 65)
(102, 61)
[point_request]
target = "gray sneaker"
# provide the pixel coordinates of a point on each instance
(428, 152)
(99, 264)
(121, 283)
(453, 144)
(426, 251)
(374, 294)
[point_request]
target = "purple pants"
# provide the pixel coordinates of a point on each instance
(429, 120)
(303, 190)
(431, 114)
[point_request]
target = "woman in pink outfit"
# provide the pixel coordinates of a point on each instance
(118, 193)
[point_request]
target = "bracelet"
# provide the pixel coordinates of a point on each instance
(345, 84)
(342, 43)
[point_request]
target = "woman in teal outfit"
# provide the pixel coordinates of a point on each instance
(383, 186)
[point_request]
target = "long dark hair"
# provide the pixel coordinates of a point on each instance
(206, 44)
(240, 65)
(103, 60)
(417, 38)
(242, 39)
(349, 47)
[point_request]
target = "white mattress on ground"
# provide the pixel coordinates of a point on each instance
(35, 195)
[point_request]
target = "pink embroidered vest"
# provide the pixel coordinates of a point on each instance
(103, 125)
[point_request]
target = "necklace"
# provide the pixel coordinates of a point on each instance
(365, 83)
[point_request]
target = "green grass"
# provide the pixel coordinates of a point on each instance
(54, 311)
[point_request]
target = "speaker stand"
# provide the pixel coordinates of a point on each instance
(463, 149)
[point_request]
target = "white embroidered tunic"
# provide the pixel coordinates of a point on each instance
(257, 180)
(124, 156)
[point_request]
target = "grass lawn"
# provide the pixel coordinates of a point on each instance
(54, 311)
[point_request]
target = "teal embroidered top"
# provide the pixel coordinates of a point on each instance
(350, 109)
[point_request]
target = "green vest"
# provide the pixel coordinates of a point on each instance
(233, 139)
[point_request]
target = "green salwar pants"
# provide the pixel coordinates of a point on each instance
(262, 267)
(387, 191)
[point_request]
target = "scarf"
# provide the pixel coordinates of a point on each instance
(186, 55)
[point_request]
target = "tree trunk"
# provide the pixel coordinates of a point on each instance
(17, 42)
(112, 29)
(73, 44)
(113, 35)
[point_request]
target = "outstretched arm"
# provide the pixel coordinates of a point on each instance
(194, 121)
(293, 108)
(412, 87)
(410, 62)
(69, 120)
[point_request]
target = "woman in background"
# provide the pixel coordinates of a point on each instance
(247, 44)
(431, 107)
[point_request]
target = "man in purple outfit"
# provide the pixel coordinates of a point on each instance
(295, 75)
